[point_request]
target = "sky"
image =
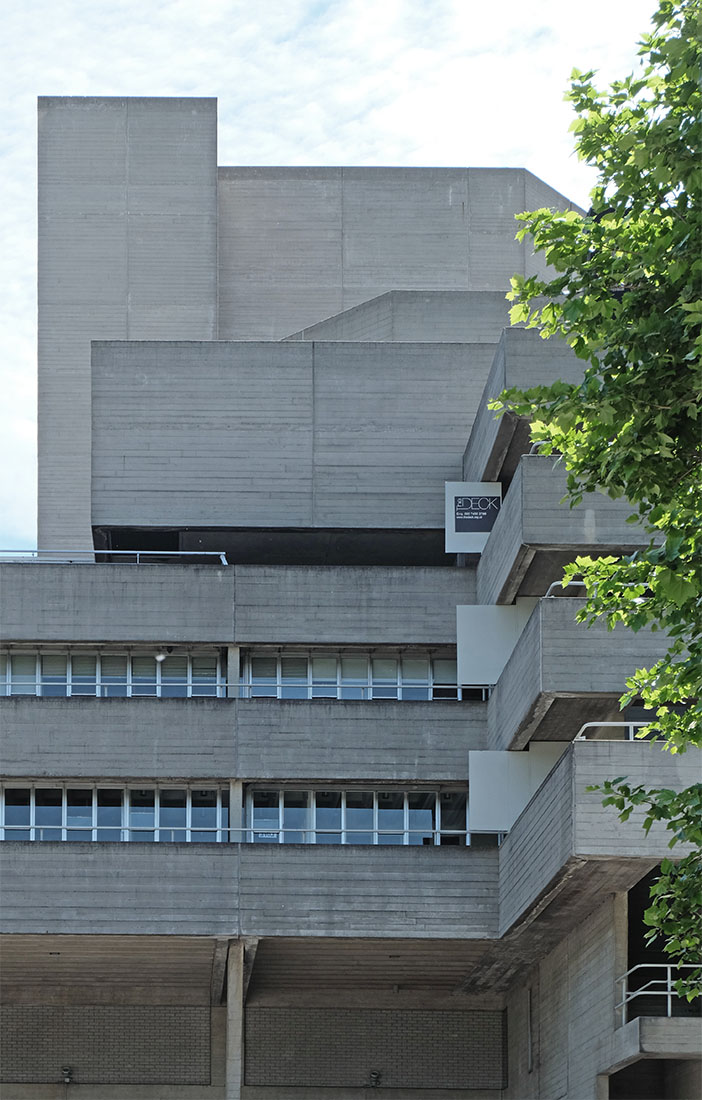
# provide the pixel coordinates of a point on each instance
(326, 82)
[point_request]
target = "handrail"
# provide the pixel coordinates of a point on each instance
(559, 584)
(88, 556)
(629, 726)
(99, 688)
(240, 834)
(656, 987)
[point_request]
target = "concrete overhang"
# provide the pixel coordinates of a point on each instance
(565, 840)
(535, 535)
(562, 674)
(654, 1037)
(522, 359)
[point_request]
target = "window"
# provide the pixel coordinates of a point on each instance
(136, 814)
(110, 675)
(315, 674)
(280, 816)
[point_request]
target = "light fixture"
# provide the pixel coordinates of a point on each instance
(67, 1072)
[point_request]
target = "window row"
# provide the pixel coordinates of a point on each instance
(269, 816)
(149, 814)
(327, 675)
(312, 674)
(112, 675)
(357, 817)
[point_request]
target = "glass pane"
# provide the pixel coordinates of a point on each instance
(359, 817)
(171, 817)
(391, 815)
(174, 678)
(204, 815)
(415, 694)
(47, 813)
(263, 677)
(295, 817)
(53, 674)
(83, 674)
(328, 817)
(204, 675)
(142, 815)
(109, 814)
(263, 668)
(16, 813)
(422, 808)
(293, 671)
(453, 810)
(4, 672)
(113, 675)
(324, 678)
(354, 669)
(143, 675)
(324, 670)
(415, 670)
(384, 669)
(79, 812)
(23, 674)
(293, 668)
(384, 691)
(266, 816)
(444, 671)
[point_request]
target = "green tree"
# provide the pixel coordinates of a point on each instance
(625, 293)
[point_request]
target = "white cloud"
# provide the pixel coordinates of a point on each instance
(406, 82)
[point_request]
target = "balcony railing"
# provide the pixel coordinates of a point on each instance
(658, 982)
(168, 834)
(104, 557)
(614, 731)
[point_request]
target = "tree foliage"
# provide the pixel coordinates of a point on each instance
(624, 290)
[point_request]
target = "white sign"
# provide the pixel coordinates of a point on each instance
(471, 510)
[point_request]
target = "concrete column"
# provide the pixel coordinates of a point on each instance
(233, 668)
(235, 1021)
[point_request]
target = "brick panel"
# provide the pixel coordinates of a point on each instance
(107, 1045)
(341, 1048)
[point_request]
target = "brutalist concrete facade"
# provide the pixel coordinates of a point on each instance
(239, 646)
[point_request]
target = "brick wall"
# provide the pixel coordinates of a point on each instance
(132, 1044)
(342, 1047)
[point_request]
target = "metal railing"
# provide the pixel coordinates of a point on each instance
(365, 692)
(562, 586)
(88, 557)
(660, 985)
(630, 729)
(245, 834)
(178, 688)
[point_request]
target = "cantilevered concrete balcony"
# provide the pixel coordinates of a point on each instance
(217, 604)
(522, 359)
(85, 738)
(566, 847)
(562, 674)
(256, 890)
(535, 534)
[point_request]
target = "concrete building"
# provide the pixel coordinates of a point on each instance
(247, 693)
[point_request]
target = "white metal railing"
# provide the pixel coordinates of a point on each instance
(660, 985)
(245, 834)
(354, 692)
(219, 688)
(629, 728)
(562, 586)
(53, 557)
